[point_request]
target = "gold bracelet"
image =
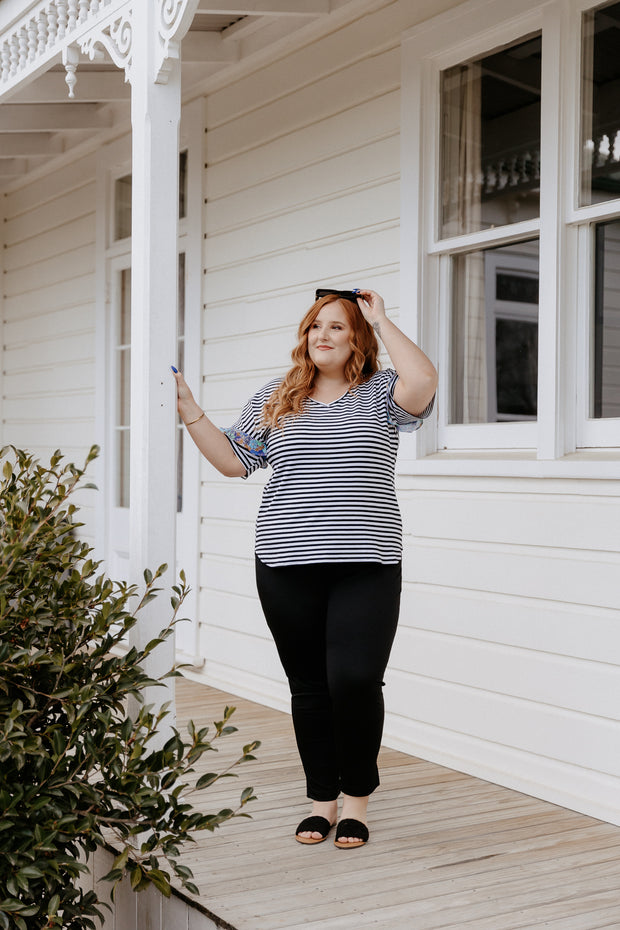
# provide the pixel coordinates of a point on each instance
(196, 420)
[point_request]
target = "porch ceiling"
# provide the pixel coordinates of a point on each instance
(39, 121)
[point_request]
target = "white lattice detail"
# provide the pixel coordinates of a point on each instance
(94, 26)
(116, 38)
(174, 19)
(47, 29)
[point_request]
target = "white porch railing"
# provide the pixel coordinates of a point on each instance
(59, 29)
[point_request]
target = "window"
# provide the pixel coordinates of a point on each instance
(494, 334)
(181, 364)
(605, 359)
(511, 216)
(600, 105)
(122, 377)
(122, 208)
(490, 140)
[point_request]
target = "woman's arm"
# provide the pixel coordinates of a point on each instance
(417, 376)
(210, 440)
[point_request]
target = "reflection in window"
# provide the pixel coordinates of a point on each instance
(490, 140)
(183, 184)
(122, 208)
(494, 334)
(605, 361)
(600, 105)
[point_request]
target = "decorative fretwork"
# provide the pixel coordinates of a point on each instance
(115, 37)
(47, 30)
(174, 19)
(52, 28)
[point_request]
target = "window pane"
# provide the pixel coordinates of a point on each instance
(182, 185)
(124, 309)
(494, 334)
(122, 468)
(180, 435)
(605, 374)
(122, 207)
(490, 140)
(600, 105)
(124, 386)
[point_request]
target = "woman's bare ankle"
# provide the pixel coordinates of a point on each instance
(355, 808)
(327, 809)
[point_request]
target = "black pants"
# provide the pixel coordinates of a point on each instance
(333, 625)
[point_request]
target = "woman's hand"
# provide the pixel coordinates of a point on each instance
(373, 308)
(186, 405)
(210, 440)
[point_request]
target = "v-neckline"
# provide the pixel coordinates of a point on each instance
(334, 401)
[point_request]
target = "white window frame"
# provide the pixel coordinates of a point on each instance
(562, 441)
(114, 161)
(523, 267)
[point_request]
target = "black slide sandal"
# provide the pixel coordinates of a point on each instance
(313, 825)
(351, 827)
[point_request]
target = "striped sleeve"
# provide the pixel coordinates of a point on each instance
(248, 435)
(405, 422)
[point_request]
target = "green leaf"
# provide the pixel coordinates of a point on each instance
(205, 780)
(160, 880)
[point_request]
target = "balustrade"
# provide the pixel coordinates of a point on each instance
(51, 26)
(48, 25)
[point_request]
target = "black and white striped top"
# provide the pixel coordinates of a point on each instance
(331, 497)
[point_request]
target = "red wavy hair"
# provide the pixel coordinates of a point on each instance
(288, 398)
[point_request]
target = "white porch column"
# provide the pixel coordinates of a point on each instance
(155, 114)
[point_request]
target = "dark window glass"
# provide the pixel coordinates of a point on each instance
(600, 105)
(490, 140)
(516, 368)
(494, 334)
(182, 185)
(122, 207)
(605, 359)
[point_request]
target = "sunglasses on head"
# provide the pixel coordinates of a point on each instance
(328, 291)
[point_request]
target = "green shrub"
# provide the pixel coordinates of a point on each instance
(76, 768)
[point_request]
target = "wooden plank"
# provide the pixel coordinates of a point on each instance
(357, 126)
(315, 183)
(52, 213)
(344, 212)
(446, 850)
(52, 186)
(340, 49)
(374, 251)
(326, 96)
(581, 577)
(550, 520)
(50, 244)
(574, 684)
(512, 620)
(79, 292)
(51, 271)
(577, 739)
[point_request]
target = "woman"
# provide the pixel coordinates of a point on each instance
(329, 535)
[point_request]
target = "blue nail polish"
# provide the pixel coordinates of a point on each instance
(175, 370)
(356, 290)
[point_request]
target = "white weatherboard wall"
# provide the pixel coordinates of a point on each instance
(507, 660)
(49, 316)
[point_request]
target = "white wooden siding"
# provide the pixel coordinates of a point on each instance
(48, 316)
(507, 660)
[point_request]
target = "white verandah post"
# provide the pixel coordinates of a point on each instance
(155, 115)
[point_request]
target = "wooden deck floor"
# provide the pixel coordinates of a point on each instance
(446, 851)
